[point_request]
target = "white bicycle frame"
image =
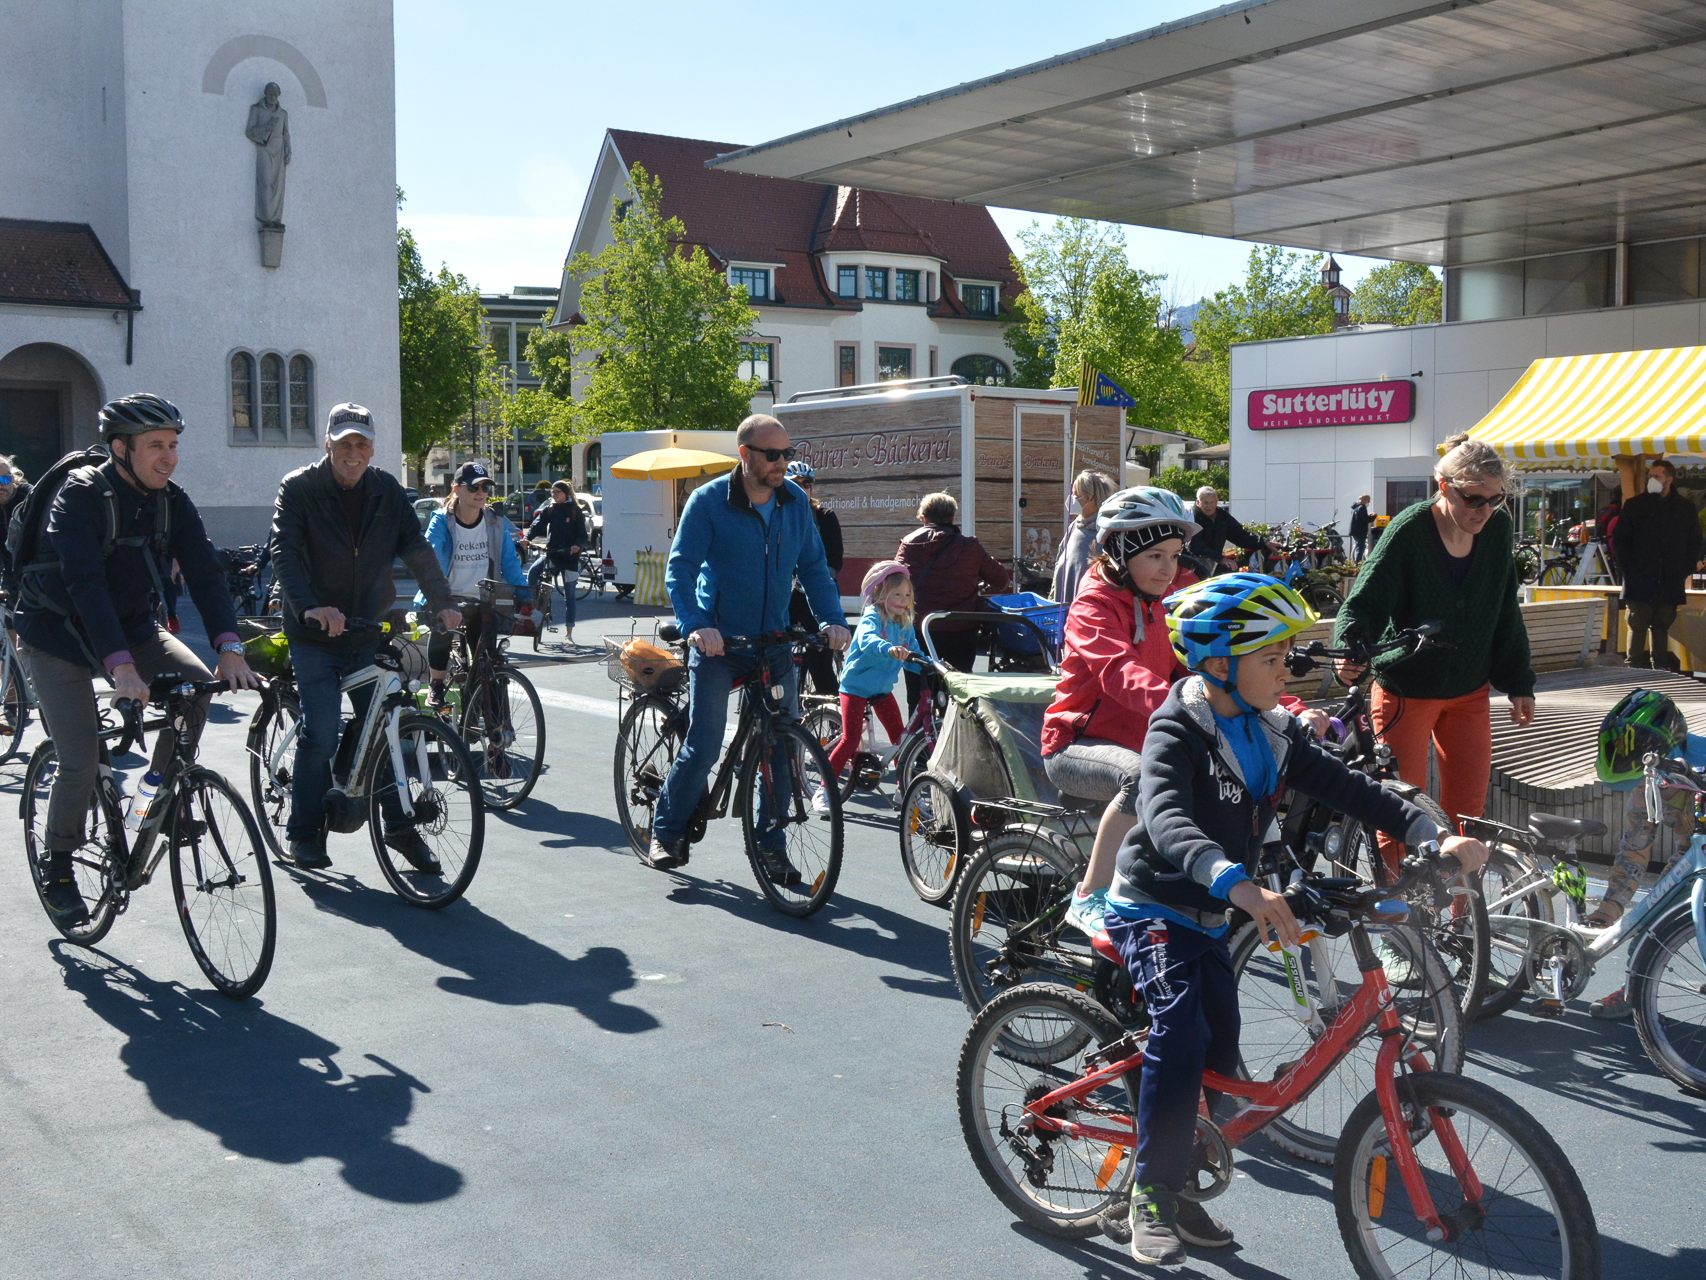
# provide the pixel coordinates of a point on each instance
(385, 684)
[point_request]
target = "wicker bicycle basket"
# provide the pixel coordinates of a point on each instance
(642, 666)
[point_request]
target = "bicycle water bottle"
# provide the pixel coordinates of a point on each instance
(142, 800)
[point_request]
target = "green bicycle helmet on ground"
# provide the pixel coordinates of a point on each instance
(1643, 720)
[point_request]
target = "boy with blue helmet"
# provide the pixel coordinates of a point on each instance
(1217, 754)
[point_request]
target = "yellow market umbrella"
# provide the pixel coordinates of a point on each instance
(673, 463)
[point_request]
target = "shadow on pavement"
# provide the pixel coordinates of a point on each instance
(266, 1088)
(1099, 1258)
(498, 964)
(1624, 1258)
(577, 830)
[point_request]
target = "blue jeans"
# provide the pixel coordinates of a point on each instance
(709, 682)
(536, 574)
(318, 673)
(1187, 983)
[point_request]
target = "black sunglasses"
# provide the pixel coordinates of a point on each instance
(772, 455)
(1476, 501)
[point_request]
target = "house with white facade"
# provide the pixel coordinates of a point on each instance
(167, 224)
(851, 286)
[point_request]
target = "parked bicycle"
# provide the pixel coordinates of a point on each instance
(220, 878)
(591, 580)
(1537, 896)
(243, 578)
(1432, 1172)
(770, 769)
(502, 720)
(393, 757)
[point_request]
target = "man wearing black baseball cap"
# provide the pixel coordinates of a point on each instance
(337, 526)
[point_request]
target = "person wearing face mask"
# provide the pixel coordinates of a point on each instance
(1657, 541)
(1448, 561)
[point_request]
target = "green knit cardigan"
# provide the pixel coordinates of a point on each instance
(1406, 581)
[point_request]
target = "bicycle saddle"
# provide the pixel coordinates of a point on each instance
(1551, 827)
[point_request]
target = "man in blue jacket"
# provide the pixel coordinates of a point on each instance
(737, 551)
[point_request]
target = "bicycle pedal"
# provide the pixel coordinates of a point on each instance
(1548, 1009)
(1116, 1223)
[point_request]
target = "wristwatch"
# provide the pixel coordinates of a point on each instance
(233, 646)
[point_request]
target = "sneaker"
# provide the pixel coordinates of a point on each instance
(65, 906)
(1611, 1008)
(661, 856)
(1088, 912)
(310, 855)
(778, 868)
(820, 800)
(436, 702)
(1195, 1226)
(1154, 1234)
(408, 842)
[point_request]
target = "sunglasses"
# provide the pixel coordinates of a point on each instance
(6, 479)
(1476, 501)
(773, 455)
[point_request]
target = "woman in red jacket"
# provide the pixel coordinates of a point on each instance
(1116, 666)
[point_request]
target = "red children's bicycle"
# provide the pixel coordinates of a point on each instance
(1433, 1172)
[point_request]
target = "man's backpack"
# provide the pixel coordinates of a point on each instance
(24, 531)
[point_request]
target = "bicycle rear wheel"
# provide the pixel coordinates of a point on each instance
(1512, 885)
(1055, 1183)
(503, 725)
(222, 884)
(794, 849)
(270, 770)
(1271, 1039)
(935, 827)
(443, 786)
(647, 743)
(14, 706)
(1667, 991)
(94, 862)
(1513, 1206)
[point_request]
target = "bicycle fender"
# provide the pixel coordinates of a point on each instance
(1697, 907)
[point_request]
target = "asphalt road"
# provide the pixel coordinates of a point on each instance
(590, 1068)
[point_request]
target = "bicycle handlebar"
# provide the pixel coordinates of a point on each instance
(670, 633)
(170, 686)
(1305, 658)
(1326, 899)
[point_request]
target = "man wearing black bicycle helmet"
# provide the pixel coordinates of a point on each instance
(91, 600)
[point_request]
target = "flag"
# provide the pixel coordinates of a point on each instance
(1095, 387)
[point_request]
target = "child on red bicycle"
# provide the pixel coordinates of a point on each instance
(881, 646)
(1217, 754)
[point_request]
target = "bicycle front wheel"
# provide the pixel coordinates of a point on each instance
(222, 884)
(1667, 991)
(935, 831)
(1271, 1038)
(272, 762)
(442, 784)
(14, 707)
(1555, 574)
(1055, 1183)
(95, 862)
(503, 724)
(790, 816)
(647, 743)
(1507, 1197)
(1514, 888)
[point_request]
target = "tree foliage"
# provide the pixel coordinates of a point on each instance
(444, 363)
(1401, 293)
(1185, 482)
(659, 346)
(1083, 300)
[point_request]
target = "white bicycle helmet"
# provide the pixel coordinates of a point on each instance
(800, 471)
(1133, 519)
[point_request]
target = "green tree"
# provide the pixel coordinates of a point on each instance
(1058, 266)
(444, 364)
(660, 344)
(1397, 293)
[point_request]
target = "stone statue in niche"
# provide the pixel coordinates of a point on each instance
(269, 130)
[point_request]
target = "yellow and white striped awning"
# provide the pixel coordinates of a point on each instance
(1573, 410)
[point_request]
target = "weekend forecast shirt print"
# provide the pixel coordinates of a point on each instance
(1333, 406)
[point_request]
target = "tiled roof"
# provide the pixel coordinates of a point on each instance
(58, 264)
(746, 218)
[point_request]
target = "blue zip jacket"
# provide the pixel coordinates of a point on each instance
(870, 670)
(730, 570)
(440, 537)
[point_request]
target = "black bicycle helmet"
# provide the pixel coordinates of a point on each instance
(1643, 721)
(133, 415)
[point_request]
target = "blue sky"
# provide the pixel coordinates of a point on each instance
(500, 108)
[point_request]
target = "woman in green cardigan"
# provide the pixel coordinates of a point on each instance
(1448, 561)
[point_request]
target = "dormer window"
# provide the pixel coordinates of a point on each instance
(979, 299)
(755, 280)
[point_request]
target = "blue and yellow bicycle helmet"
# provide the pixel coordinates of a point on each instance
(1230, 616)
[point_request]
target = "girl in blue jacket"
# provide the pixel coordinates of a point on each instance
(882, 644)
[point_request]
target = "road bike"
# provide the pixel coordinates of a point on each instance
(770, 770)
(17, 696)
(220, 878)
(392, 757)
(1540, 945)
(1432, 1172)
(503, 721)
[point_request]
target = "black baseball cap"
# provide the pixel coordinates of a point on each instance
(472, 473)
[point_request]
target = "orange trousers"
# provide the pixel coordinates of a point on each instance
(1461, 731)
